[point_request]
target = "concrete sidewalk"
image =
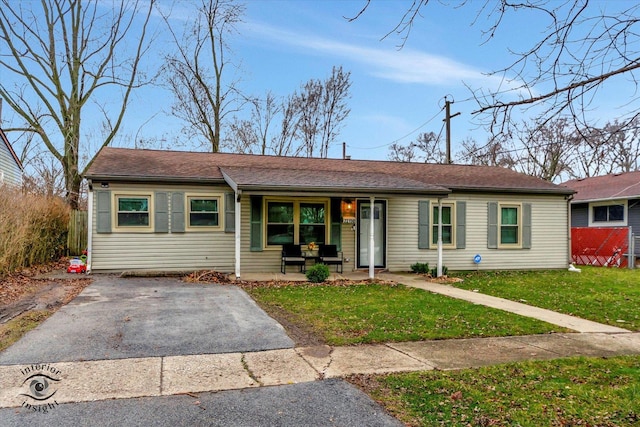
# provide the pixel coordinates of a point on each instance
(172, 375)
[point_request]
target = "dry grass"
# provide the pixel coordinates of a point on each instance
(33, 229)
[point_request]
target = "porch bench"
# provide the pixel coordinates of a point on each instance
(329, 255)
(292, 255)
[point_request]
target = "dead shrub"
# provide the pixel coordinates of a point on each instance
(33, 229)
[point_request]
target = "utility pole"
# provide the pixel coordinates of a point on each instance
(447, 120)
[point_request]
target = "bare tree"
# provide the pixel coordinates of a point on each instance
(61, 55)
(496, 152)
(283, 143)
(548, 149)
(582, 47)
(322, 108)
(196, 73)
(624, 144)
(425, 148)
(402, 153)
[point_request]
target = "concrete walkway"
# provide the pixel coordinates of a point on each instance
(171, 375)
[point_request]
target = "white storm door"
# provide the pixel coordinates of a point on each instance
(364, 233)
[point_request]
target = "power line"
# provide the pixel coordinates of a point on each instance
(401, 138)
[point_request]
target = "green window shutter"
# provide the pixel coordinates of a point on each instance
(161, 212)
(461, 218)
(230, 212)
(492, 231)
(256, 223)
(177, 213)
(103, 211)
(423, 224)
(336, 222)
(526, 225)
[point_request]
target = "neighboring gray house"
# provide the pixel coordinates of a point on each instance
(606, 201)
(168, 210)
(10, 165)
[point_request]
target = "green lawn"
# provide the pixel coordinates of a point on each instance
(605, 295)
(564, 392)
(381, 313)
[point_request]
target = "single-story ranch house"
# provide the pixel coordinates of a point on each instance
(606, 201)
(169, 210)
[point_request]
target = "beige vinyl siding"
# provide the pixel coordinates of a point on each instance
(348, 247)
(192, 250)
(215, 249)
(549, 237)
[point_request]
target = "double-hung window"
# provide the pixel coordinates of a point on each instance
(203, 211)
(510, 225)
(133, 211)
(300, 222)
(280, 223)
(312, 227)
(447, 224)
(606, 214)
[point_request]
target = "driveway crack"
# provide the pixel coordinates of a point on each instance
(245, 365)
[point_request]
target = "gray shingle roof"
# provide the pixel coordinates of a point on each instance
(253, 171)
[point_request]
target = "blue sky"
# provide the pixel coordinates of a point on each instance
(395, 94)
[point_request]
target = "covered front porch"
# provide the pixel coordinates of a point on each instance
(346, 209)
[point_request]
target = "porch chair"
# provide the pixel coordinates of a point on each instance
(329, 255)
(291, 255)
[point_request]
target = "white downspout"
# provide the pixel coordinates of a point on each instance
(237, 234)
(439, 270)
(89, 229)
(372, 240)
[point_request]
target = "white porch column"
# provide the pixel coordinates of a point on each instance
(89, 229)
(372, 240)
(439, 271)
(237, 233)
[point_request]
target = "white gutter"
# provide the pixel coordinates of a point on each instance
(89, 229)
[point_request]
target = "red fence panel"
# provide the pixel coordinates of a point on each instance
(601, 246)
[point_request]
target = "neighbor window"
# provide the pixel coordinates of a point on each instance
(509, 225)
(133, 211)
(447, 224)
(296, 222)
(608, 213)
(203, 211)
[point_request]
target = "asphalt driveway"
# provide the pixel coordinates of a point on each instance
(116, 318)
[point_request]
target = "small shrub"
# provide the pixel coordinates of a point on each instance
(420, 267)
(318, 273)
(434, 271)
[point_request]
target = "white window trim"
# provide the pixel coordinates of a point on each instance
(296, 218)
(432, 224)
(196, 228)
(520, 225)
(114, 212)
(622, 223)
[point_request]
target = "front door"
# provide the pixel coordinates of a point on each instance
(378, 216)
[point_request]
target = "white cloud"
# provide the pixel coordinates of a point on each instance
(402, 66)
